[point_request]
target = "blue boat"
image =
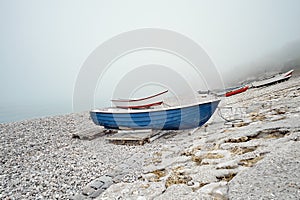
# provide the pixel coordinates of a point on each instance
(171, 118)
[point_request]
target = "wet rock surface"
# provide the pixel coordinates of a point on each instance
(254, 154)
(276, 177)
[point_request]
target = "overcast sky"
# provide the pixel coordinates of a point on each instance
(45, 43)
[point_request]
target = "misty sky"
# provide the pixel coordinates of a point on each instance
(45, 43)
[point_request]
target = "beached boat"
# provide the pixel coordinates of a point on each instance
(170, 118)
(146, 102)
(236, 90)
(276, 79)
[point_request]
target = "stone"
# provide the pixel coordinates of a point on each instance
(141, 198)
(151, 177)
(87, 190)
(96, 184)
(79, 197)
(218, 189)
(178, 191)
(96, 193)
(107, 180)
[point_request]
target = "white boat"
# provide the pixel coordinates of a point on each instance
(145, 102)
(276, 79)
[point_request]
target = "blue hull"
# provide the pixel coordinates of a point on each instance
(177, 118)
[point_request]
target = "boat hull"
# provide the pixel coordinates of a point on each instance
(177, 118)
(236, 91)
(270, 82)
(277, 79)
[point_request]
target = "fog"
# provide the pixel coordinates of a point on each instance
(44, 44)
(276, 61)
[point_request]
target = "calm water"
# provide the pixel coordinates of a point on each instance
(22, 112)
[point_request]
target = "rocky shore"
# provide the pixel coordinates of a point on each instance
(250, 149)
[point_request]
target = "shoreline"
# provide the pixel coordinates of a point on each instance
(253, 158)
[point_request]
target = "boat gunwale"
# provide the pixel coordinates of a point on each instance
(141, 106)
(139, 99)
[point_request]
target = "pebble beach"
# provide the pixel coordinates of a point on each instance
(249, 149)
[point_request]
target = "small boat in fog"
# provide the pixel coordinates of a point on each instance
(224, 92)
(179, 117)
(276, 79)
(236, 90)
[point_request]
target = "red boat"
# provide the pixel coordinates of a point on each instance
(236, 90)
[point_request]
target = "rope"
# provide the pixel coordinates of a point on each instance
(230, 121)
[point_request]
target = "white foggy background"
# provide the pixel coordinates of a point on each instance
(137, 67)
(43, 44)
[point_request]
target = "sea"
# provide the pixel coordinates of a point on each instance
(13, 113)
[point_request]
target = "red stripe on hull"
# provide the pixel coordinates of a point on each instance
(141, 106)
